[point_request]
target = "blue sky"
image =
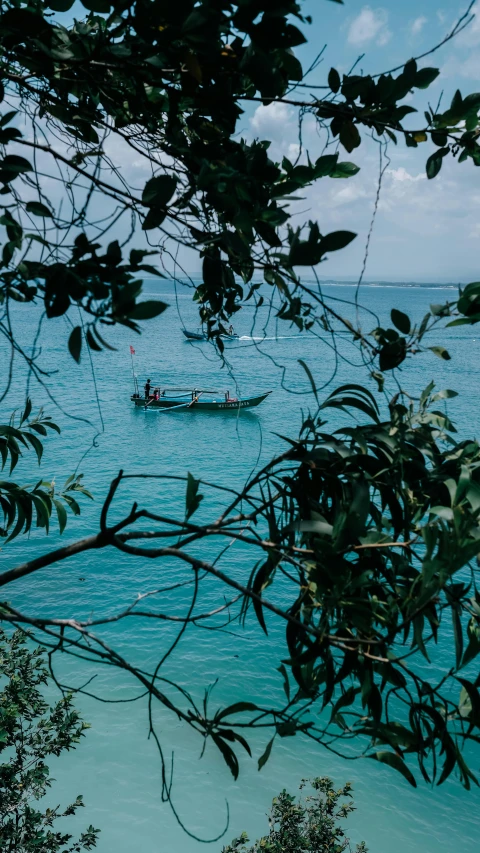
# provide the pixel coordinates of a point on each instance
(425, 230)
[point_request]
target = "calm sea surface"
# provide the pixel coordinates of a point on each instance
(116, 767)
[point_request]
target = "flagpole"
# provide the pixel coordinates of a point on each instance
(135, 383)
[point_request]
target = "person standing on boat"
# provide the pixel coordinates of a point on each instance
(147, 389)
(231, 331)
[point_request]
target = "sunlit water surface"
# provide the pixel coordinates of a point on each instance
(117, 767)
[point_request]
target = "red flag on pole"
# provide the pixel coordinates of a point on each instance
(132, 351)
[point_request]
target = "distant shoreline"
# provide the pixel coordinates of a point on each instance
(345, 283)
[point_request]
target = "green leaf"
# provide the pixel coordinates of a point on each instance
(38, 428)
(345, 170)
(14, 163)
(96, 5)
(36, 444)
(394, 760)
(349, 136)
(154, 218)
(392, 354)
(267, 232)
(38, 209)
(434, 162)
(158, 191)
(347, 698)
(148, 309)
(334, 80)
(192, 498)
(61, 514)
(26, 411)
(446, 394)
(307, 370)
(261, 581)
(441, 352)
(473, 647)
(286, 684)
(325, 165)
(465, 772)
(450, 759)
(473, 701)
(236, 708)
(230, 758)
(75, 343)
(336, 240)
(266, 755)
(457, 633)
(7, 117)
(91, 341)
(444, 512)
(323, 528)
(401, 321)
(425, 77)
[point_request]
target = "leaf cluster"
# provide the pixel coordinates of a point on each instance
(31, 731)
(174, 79)
(311, 824)
(381, 520)
(21, 506)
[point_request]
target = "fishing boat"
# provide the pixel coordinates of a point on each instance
(201, 336)
(196, 400)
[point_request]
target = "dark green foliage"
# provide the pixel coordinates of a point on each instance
(387, 516)
(309, 825)
(364, 542)
(374, 526)
(31, 731)
(192, 498)
(21, 506)
(173, 79)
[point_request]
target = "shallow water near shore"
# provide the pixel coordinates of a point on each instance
(116, 767)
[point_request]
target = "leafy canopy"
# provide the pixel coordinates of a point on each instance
(311, 825)
(20, 506)
(168, 83)
(30, 732)
(363, 541)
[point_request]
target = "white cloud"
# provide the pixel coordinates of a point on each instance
(272, 119)
(402, 175)
(468, 67)
(293, 151)
(350, 194)
(417, 25)
(370, 25)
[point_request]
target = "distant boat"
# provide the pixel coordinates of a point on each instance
(193, 400)
(201, 336)
(194, 336)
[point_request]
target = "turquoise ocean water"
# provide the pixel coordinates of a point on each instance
(117, 767)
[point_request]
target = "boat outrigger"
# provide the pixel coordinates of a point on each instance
(194, 400)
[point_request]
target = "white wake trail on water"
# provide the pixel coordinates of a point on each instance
(272, 338)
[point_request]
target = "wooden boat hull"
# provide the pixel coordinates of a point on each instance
(199, 336)
(194, 336)
(202, 405)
